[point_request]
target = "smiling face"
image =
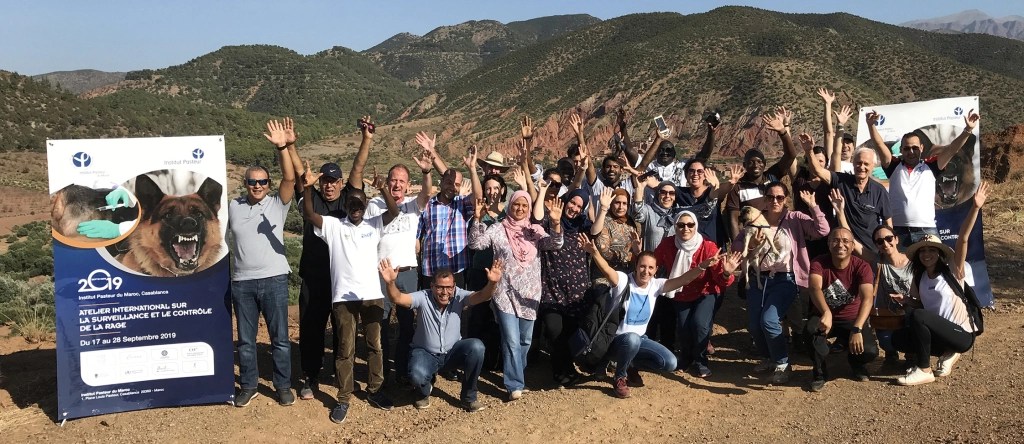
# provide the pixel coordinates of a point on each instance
(910, 150)
(847, 150)
(520, 208)
(620, 203)
(775, 199)
(686, 227)
(666, 153)
(257, 184)
(646, 266)
(886, 241)
(611, 171)
(355, 206)
(398, 183)
(863, 163)
(929, 257)
(667, 196)
(574, 207)
(493, 191)
(695, 174)
(840, 243)
(443, 288)
(754, 166)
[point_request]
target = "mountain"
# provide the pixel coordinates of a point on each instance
(973, 21)
(741, 60)
(448, 52)
(81, 80)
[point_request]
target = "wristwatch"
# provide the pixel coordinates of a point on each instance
(855, 330)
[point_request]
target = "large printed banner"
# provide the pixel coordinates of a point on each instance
(938, 122)
(140, 273)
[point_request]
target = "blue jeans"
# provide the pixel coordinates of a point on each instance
(467, 354)
(633, 350)
(516, 335)
(269, 296)
(765, 306)
(406, 282)
(909, 235)
(694, 320)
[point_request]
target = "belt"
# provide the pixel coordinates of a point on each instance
(404, 269)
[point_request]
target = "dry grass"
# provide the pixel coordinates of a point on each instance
(1004, 208)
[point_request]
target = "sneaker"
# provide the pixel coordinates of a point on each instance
(702, 371)
(339, 412)
(915, 376)
(381, 401)
(473, 406)
(515, 394)
(860, 374)
(285, 397)
(764, 366)
(422, 403)
(817, 385)
(945, 364)
(781, 374)
(621, 388)
(307, 389)
(244, 396)
(633, 377)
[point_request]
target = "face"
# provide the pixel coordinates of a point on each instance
(667, 196)
(611, 170)
(840, 243)
(695, 174)
(444, 289)
(666, 155)
(863, 163)
(886, 242)
(450, 185)
(910, 150)
(355, 205)
(645, 269)
(754, 166)
(551, 194)
(520, 209)
(775, 200)
(574, 207)
(398, 183)
(847, 150)
(686, 227)
(331, 188)
(492, 191)
(929, 256)
(620, 204)
(257, 185)
(490, 169)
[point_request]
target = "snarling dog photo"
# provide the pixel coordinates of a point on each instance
(758, 241)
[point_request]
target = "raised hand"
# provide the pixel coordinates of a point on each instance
(787, 116)
(971, 120)
(838, 203)
(555, 212)
(467, 187)
(526, 127)
(634, 241)
(586, 244)
(774, 122)
(470, 159)
(606, 198)
(494, 273)
(871, 118)
(519, 177)
(736, 171)
(427, 142)
(620, 119)
(806, 142)
(844, 115)
(367, 127)
(425, 161)
(276, 134)
(387, 272)
(807, 197)
(289, 131)
(826, 95)
(478, 211)
(981, 195)
(576, 123)
(732, 261)
(310, 177)
(543, 185)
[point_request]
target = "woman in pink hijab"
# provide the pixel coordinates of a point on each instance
(517, 295)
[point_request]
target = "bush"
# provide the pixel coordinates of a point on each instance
(27, 307)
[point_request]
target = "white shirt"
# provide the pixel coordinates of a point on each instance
(353, 250)
(398, 239)
(639, 303)
(674, 172)
(937, 297)
(912, 196)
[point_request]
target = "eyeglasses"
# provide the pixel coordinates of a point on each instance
(666, 192)
(444, 288)
(682, 225)
(695, 172)
(781, 198)
(253, 182)
(883, 240)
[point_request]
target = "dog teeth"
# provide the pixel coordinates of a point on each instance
(192, 238)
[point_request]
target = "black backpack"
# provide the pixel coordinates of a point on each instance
(597, 327)
(966, 294)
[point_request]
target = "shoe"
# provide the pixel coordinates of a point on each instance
(860, 374)
(569, 379)
(339, 412)
(781, 374)
(945, 364)
(633, 377)
(422, 403)
(285, 397)
(473, 406)
(515, 394)
(764, 366)
(915, 376)
(621, 388)
(308, 387)
(381, 401)
(702, 371)
(451, 375)
(892, 360)
(837, 347)
(244, 396)
(817, 385)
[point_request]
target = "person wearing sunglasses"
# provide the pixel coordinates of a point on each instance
(894, 278)
(259, 277)
(694, 303)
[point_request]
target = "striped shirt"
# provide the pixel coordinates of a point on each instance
(442, 230)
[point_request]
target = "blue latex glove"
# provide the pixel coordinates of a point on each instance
(99, 229)
(118, 195)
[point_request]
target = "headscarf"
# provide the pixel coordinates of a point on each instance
(580, 223)
(522, 235)
(625, 217)
(686, 249)
(666, 216)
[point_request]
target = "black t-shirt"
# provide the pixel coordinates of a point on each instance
(864, 211)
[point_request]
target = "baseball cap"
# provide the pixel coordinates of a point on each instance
(331, 170)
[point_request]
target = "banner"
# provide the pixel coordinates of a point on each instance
(140, 273)
(938, 122)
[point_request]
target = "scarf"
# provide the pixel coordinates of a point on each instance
(685, 249)
(580, 223)
(625, 217)
(522, 235)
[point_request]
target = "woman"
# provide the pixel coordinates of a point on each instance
(770, 294)
(516, 299)
(656, 216)
(694, 303)
(481, 323)
(630, 348)
(938, 323)
(701, 195)
(618, 238)
(894, 278)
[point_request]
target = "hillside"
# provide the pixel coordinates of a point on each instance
(973, 21)
(81, 80)
(446, 53)
(741, 60)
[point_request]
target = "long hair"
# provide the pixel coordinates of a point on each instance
(919, 269)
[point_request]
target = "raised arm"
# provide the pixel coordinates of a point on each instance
(355, 177)
(960, 252)
(477, 197)
(651, 152)
(945, 153)
(308, 212)
(538, 204)
(602, 265)
(779, 122)
(493, 276)
(736, 171)
(389, 274)
(525, 158)
(576, 123)
(627, 144)
(429, 144)
(730, 262)
(834, 144)
(424, 162)
(826, 120)
(807, 142)
(839, 206)
(706, 150)
(276, 135)
(884, 153)
(606, 201)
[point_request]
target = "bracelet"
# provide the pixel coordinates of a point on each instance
(702, 268)
(425, 172)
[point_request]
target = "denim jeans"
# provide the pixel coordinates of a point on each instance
(694, 320)
(909, 235)
(467, 354)
(270, 296)
(633, 350)
(516, 335)
(765, 307)
(406, 283)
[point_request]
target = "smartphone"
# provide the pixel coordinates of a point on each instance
(713, 119)
(647, 174)
(662, 127)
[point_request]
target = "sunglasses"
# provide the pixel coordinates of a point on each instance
(682, 225)
(667, 192)
(776, 198)
(253, 182)
(697, 172)
(884, 240)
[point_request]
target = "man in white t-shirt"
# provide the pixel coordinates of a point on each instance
(355, 287)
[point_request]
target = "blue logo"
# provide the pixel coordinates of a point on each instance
(958, 111)
(881, 120)
(197, 153)
(81, 159)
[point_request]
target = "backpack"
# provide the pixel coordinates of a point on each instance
(966, 294)
(597, 327)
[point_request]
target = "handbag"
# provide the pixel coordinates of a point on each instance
(590, 342)
(970, 300)
(891, 316)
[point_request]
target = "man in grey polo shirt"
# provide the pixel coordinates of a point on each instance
(437, 344)
(259, 278)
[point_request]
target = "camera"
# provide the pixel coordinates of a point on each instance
(714, 119)
(364, 124)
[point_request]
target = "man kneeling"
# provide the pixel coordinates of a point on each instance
(437, 344)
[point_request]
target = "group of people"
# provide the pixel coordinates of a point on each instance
(568, 238)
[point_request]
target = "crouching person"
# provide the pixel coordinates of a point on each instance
(437, 344)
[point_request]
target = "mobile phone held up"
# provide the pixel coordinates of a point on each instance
(364, 124)
(663, 130)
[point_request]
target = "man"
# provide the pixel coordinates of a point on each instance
(841, 287)
(259, 279)
(352, 245)
(662, 158)
(912, 187)
(438, 345)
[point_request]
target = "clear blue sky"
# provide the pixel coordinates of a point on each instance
(40, 36)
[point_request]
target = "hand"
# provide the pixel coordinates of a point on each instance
(787, 116)
(519, 177)
(838, 203)
(478, 211)
(543, 185)
(526, 128)
(808, 198)
(427, 142)
(576, 123)
(311, 177)
(387, 272)
(711, 261)
(379, 182)
(494, 273)
(99, 229)
(732, 262)
(555, 212)
(981, 195)
(806, 142)
(276, 134)
(587, 245)
(289, 131)
(826, 95)
(871, 118)
(606, 198)
(826, 322)
(971, 120)
(118, 196)
(366, 127)
(425, 161)
(620, 119)
(470, 159)
(711, 177)
(634, 242)
(736, 171)
(856, 343)
(467, 187)
(775, 122)
(523, 152)
(897, 298)
(844, 115)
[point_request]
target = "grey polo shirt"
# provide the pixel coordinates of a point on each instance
(257, 238)
(437, 331)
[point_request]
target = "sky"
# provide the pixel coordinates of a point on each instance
(40, 36)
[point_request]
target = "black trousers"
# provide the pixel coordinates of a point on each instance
(928, 334)
(314, 313)
(557, 327)
(841, 331)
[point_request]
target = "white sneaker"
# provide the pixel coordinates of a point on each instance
(915, 376)
(945, 364)
(515, 395)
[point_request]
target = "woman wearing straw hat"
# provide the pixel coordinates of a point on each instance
(940, 324)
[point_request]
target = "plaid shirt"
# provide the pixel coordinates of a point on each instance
(442, 230)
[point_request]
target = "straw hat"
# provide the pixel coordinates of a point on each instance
(930, 240)
(494, 159)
